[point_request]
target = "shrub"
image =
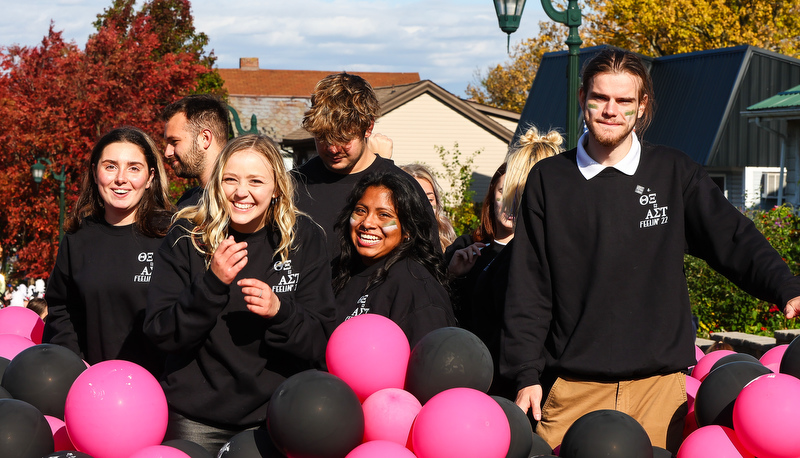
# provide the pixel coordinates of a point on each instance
(721, 306)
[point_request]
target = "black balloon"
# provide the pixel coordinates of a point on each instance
(250, 444)
(193, 449)
(606, 433)
(25, 431)
(790, 361)
(315, 414)
(713, 403)
(3, 364)
(539, 446)
(659, 452)
(733, 358)
(448, 358)
(42, 376)
(521, 432)
(4, 394)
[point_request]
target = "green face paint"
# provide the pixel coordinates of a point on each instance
(592, 106)
(391, 225)
(630, 113)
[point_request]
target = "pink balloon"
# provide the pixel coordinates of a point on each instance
(698, 355)
(774, 355)
(705, 364)
(389, 414)
(692, 384)
(21, 321)
(115, 408)
(159, 451)
(380, 449)
(713, 441)
(369, 352)
(12, 344)
(60, 436)
(461, 422)
(761, 408)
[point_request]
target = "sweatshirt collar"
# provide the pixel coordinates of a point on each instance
(589, 168)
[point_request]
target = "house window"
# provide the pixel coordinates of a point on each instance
(769, 185)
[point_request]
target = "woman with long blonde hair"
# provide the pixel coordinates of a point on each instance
(241, 298)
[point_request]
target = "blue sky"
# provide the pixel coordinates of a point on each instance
(446, 41)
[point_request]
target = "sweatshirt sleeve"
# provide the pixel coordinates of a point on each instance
(184, 299)
(305, 320)
(62, 301)
(529, 301)
(731, 244)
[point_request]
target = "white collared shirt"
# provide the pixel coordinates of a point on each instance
(590, 168)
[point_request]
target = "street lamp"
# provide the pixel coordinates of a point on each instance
(37, 170)
(509, 13)
(572, 19)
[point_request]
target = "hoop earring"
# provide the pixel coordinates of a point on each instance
(274, 201)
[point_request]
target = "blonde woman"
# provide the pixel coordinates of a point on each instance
(433, 192)
(241, 298)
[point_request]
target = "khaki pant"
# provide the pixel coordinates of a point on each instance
(658, 403)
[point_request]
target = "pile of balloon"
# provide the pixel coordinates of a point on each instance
(379, 399)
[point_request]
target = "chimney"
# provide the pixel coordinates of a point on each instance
(248, 63)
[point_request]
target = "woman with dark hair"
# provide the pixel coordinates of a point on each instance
(471, 253)
(388, 264)
(241, 299)
(97, 291)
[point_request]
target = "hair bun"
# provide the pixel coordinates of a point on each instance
(532, 136)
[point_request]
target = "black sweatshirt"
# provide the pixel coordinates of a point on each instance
(97, 293)
(224, 361)
(323, 194)
(409, 295)
(596, 284)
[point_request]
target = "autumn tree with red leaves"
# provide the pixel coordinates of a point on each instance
(57, 100)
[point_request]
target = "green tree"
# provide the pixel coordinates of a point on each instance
(172, 22)
(56, 100)
(650, 27)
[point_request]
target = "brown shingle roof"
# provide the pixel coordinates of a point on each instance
(296, 83)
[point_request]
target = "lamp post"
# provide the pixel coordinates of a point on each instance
(37, 170)
(572, 19)
(509, 13)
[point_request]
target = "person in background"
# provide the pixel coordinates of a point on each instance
(96, 294)
(388, 264)
(433, 191)
(469, 254)
(486, 295)
(241, 298)
(38, 305)
(196, 129)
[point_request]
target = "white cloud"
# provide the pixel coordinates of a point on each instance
(446, 41)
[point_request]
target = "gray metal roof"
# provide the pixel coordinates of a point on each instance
(699, 97)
